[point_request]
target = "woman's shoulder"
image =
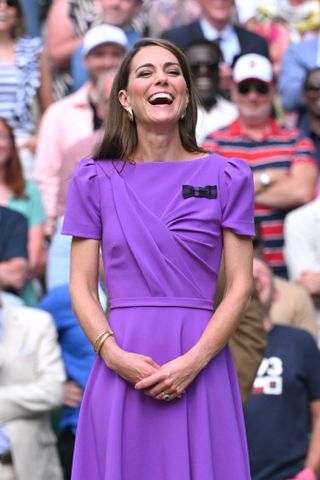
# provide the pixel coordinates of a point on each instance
(89, 168)
(29, 45)
(230, 165)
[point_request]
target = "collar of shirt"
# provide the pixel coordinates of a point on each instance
(229, 42)
(236, 129)
(80, 98)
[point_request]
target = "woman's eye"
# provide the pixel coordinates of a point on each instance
(144, 73)
(174, 72)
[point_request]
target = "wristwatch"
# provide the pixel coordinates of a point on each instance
(265, 179)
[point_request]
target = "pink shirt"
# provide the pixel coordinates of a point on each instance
(84, 148)
(63, 124)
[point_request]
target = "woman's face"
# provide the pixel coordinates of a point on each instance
(157, 91)
(8, 15)
(5, 144)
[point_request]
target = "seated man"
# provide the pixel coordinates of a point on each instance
(214, 111)
(282, 160)
(13, 250)
(31, 384)
(118, 13)
(284, 407)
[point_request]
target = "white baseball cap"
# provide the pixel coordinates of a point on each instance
(103, 34)
(253, 66)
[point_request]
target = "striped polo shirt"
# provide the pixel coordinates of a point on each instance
(279, 148)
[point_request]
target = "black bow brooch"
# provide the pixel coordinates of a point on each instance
(209, 191)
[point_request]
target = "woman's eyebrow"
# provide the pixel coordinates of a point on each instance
(150, 65)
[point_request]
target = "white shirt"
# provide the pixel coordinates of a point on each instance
(229, 42)
(4, 440)
(220, 115)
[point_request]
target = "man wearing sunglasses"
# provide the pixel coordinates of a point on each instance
(282, 160)
(214, 111)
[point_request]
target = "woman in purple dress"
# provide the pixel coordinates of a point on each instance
(162, 401)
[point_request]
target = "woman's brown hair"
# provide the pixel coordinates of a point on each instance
(19, 29)
(13, 175)
(120, 137)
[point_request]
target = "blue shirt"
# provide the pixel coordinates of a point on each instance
(297, 60)
(304, 126)
(77, 352)
(277, 414)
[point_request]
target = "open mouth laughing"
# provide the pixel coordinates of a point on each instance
(161, 98)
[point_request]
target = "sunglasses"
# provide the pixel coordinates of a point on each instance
(210, 65)
(10, 3)
(312, 88)
(259, 87)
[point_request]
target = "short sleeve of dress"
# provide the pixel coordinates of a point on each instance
(237, 197)
(82, 215)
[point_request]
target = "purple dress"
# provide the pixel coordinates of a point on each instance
(161, 245)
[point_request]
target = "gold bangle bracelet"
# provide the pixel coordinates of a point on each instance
(97, 340)
(103, 339)
(100, 339)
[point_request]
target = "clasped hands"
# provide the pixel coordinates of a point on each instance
(161, 382)
(168, 381)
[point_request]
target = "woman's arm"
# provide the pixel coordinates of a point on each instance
(93, 321)
(61, 38)
(175, 376)
(45, 91)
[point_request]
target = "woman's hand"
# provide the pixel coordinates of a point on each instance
(132, 367)
(171, 379)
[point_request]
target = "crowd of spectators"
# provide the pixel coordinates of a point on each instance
(256, 68)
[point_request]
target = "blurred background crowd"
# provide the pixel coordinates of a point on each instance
(256, 69)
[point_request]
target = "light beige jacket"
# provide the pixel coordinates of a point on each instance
(31, 384)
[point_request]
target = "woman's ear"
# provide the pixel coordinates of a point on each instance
(123, 99)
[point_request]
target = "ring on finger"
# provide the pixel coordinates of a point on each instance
(165, 396)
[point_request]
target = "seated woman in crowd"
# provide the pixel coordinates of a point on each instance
(24, 197)
(23, 75)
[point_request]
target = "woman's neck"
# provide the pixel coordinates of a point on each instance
(7, 44)
(160, 146)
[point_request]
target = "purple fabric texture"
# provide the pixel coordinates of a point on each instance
(161, 254)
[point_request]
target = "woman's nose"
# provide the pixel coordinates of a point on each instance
(161, 77)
